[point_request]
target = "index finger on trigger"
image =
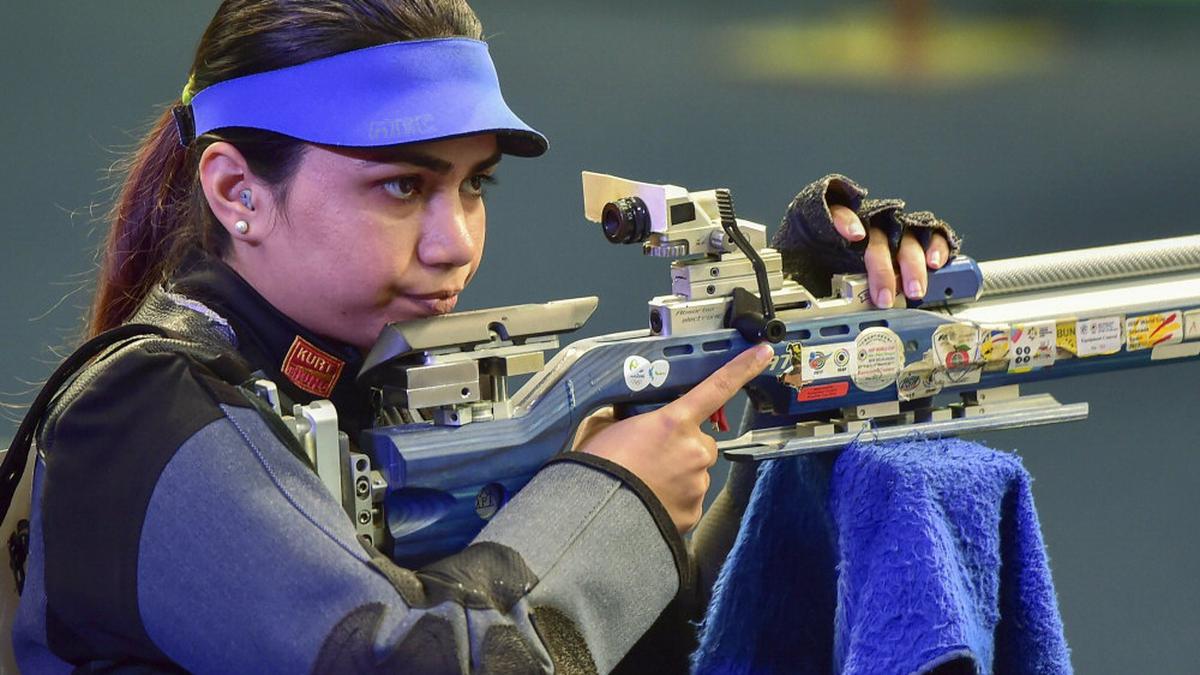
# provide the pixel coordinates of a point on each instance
(714, 391)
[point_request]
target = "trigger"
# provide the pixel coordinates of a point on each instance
(718, 420)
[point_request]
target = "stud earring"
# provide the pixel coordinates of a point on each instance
(247, 200)
(242, 227)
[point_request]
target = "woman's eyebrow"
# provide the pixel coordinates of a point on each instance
(426, 160)
(488, 163)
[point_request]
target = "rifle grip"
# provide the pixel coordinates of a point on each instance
(626, 410)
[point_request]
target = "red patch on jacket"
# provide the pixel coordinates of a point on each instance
(311, 369)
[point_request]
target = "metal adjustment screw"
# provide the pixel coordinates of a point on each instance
(714, 272)
(710, 290)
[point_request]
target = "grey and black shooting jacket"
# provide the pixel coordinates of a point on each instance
(173, 529)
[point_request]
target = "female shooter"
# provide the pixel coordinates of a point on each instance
(324, 175)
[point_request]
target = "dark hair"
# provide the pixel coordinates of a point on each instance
(161, 213)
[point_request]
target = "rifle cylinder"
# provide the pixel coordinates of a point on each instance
(1103, 263)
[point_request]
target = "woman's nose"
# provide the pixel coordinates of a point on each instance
(448, 238)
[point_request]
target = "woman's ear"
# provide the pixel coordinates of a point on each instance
(241, 202)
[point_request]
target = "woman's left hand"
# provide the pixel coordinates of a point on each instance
(912, 260)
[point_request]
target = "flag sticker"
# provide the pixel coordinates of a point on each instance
(997, 344)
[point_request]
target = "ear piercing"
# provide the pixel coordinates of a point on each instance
(247, 200)
(242, 227)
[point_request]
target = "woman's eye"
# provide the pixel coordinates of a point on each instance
(477, 185)
(404, 187)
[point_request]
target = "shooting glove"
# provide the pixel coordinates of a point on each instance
(813, 250)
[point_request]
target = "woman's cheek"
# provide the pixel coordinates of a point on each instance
(481, 238)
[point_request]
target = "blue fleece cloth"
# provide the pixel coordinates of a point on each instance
(887, 558)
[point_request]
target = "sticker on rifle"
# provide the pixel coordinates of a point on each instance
(1065, 339)
(1034, 346)
(996, 344)
(640, 372)
(828, 361)
(1179, 350)
(955, 377)
(956, 345)
(817, 392)
(1149, 330)
(659, 370)
(1191, 323)
(918, 380)
(879, 355)
(1097, 337)
(793, 372)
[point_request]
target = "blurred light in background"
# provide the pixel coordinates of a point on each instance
(897, 43)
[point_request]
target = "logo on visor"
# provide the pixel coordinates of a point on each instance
(401, 128)
(311, 369)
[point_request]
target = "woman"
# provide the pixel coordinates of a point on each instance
(322, 176)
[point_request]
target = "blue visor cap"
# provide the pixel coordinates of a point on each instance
(401, 92)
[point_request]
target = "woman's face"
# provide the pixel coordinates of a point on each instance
(371, 236)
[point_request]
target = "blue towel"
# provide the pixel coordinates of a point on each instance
(887, 558)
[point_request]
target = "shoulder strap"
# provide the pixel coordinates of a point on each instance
(17, 457)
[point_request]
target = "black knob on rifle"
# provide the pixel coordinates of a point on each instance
(745, 316)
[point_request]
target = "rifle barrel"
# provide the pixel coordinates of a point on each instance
(1102, 263)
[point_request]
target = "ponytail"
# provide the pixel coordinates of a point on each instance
(149, 225)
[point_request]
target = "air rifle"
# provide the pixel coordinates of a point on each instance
(453, 443)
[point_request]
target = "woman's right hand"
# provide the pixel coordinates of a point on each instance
(666, 448)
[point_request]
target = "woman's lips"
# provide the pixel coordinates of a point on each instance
(434, 303)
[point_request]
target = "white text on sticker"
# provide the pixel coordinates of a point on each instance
(1094, 337)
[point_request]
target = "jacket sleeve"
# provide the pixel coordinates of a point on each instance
(244, 563)
(247, 564)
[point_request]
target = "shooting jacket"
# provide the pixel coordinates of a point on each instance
(174, 528)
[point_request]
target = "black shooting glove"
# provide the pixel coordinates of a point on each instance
(813, 250)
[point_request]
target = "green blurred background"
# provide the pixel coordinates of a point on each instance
(1031, 126)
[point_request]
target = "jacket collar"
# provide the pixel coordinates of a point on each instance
(305, 366)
